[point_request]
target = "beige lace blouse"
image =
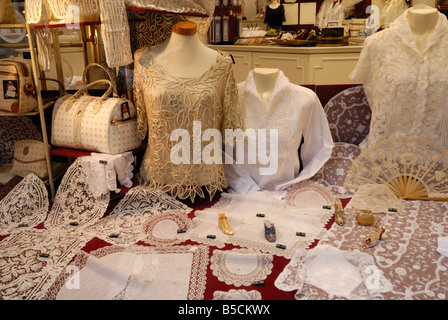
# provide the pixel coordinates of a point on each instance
(165, 103)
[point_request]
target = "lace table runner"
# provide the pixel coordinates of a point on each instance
(135, 273)
(32, 259)
(25, 206)
(407, 254)
(288, 216)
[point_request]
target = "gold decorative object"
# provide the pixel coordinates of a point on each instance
(339, 212)
(365, 218)
(223, 224)
(372, 240)
(413, 168)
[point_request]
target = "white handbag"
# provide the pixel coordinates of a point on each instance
(97, 124)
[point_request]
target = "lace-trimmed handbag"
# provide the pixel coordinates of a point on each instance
(29, 157)
(17, 87)
(97, 124)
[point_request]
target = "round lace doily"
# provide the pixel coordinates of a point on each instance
(241, 267)
(162, 229)
(240, 294)
(308, 195)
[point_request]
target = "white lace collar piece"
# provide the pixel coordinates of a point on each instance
(75, 207)
(25, 206)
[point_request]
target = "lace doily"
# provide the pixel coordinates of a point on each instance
(308, 195)
(333, 173)
(240, 294)
(240, 267)
(162, 229)
(407, 254)
(125, 225)
(349, 115)
(376, 198)
(74, 206)
(342, 274)
(136, 273)
(25, 206)
(248, 228)
(31, 260)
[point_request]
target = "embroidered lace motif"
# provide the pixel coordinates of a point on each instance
(334, 172)
(75, 206)
(132, 218)
(162, 229)
(406, 90)
(175, 6)
(241, 212)
(137, 272)
(339, 273)
(240, 267)
(414, 273)
(32, 259)
(25, 206)
(240, 294)
(166, 103)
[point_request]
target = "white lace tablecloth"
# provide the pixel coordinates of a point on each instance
(407, 254)
(288, 215)
(135, 273)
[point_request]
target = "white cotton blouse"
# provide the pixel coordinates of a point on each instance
(297, 113)
(407, 90)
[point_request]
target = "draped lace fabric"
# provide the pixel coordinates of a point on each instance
(407, 254)
(135, 219)
(241, 267)
(25, 206)
(296, 113)
(166, 104)
(406, 89)
(103, 171)
(289, 217)
(136, 273)
(340, 274)
(32, 259)
(75, 207)
(376, 198)
(334, 172)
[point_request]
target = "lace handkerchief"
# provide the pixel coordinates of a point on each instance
(376, 198)
(31, 260)
(243, 212)
(136, 273)
(75, 207)
(25, 206)
(241, 267)
(134, 215)
(345, 274)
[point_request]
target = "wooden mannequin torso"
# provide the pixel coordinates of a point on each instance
(423, 21)
(183, 54)
(265, 80)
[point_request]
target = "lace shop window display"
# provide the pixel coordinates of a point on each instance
(182, 88)
(405, 75)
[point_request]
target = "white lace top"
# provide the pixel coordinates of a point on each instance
(296, 112)
(406, 90)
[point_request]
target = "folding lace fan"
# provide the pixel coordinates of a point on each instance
(413, 168)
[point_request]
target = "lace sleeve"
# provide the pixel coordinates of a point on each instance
(233, 117)
(142, 121)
